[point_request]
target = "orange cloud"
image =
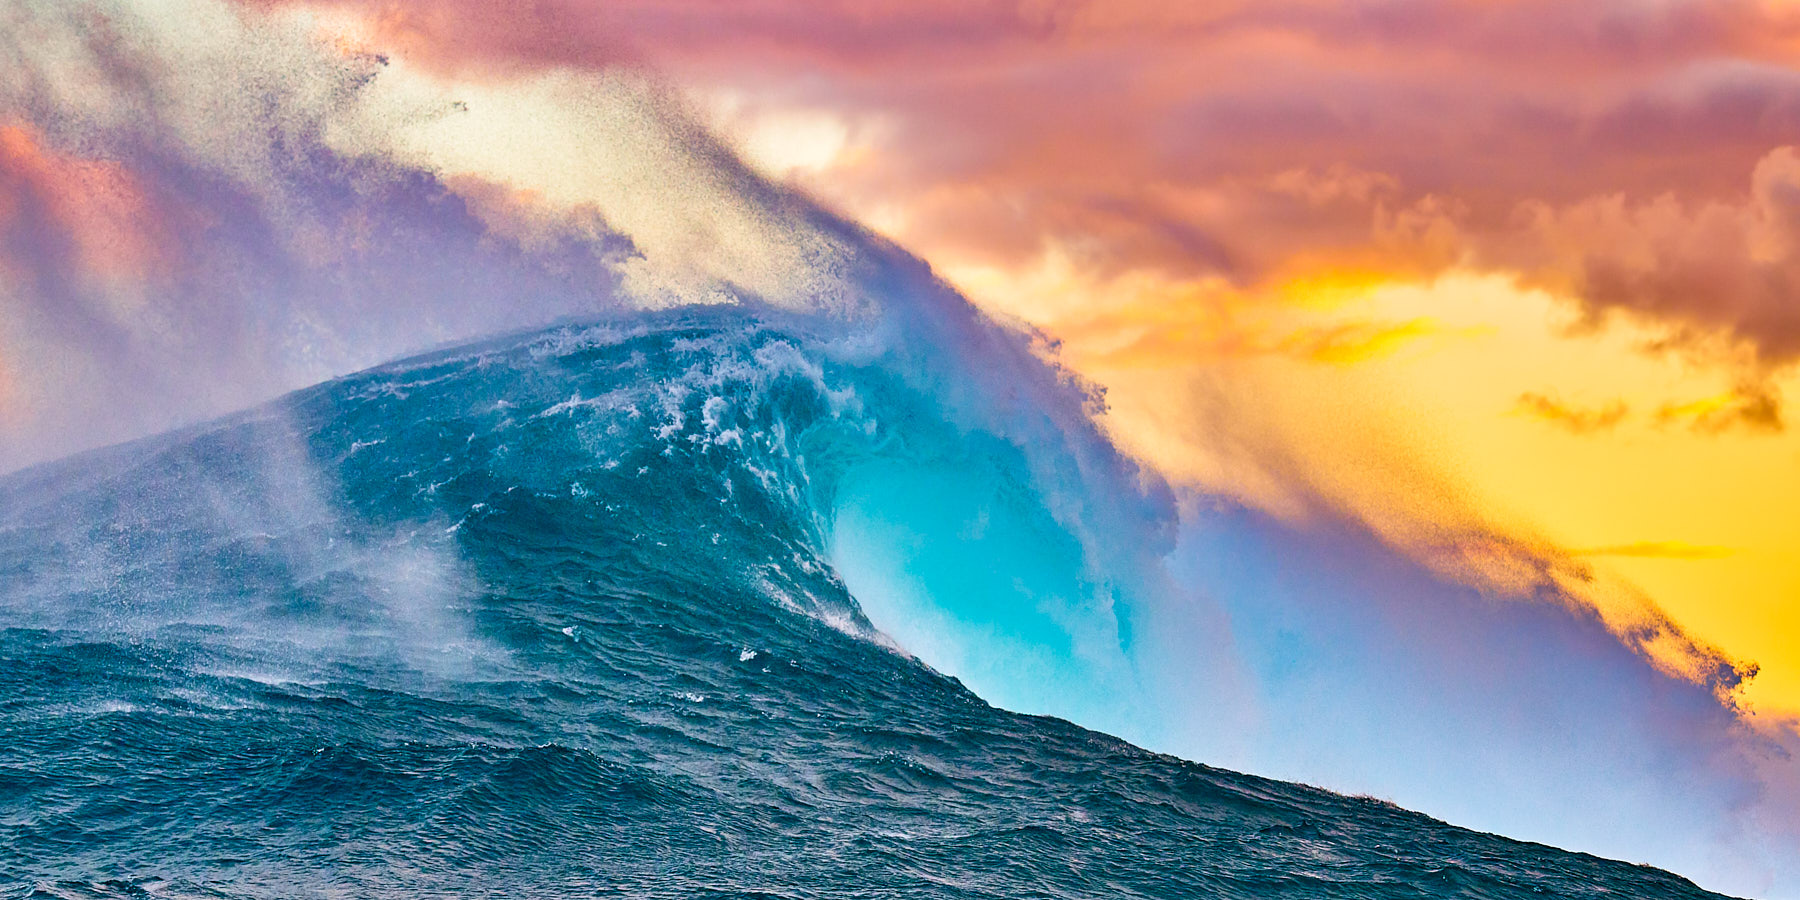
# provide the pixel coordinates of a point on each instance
(1751, 406)
(1720, 265)
(1574, 419)
(1141, 337)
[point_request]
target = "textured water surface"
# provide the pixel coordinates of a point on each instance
(550, 616)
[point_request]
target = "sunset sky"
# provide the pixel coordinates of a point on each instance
(1509, 288)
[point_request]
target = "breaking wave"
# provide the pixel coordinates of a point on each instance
(566, 613)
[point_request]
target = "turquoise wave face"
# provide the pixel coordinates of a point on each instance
(562, 615)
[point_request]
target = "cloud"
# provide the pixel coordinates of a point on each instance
(1159, 342)
(1256, 142)
(854, 33)
(1576, 420)
(1751, 406)
(1714, 266)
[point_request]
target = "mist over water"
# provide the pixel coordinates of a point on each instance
(667, 598)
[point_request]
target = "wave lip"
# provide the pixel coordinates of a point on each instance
(556, 614)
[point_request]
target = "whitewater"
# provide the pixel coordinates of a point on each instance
(556, 614)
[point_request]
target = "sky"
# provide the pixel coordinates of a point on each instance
(1487, 309)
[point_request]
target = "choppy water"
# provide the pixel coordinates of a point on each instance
(551, 616)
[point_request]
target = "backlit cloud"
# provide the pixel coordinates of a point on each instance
(1753, 406)
(1575, 419)
(1632, 155)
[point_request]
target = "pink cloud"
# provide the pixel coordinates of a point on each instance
(1719, 265)
(1245, 139)
(1206, 139)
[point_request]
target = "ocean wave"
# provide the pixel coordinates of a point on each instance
(568, 613)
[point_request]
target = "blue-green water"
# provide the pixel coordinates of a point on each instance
(554, 616)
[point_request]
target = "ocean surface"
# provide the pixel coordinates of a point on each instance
(553, 615)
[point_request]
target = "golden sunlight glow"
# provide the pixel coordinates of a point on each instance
(1463, 407)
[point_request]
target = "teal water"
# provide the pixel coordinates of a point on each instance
(554, 615)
